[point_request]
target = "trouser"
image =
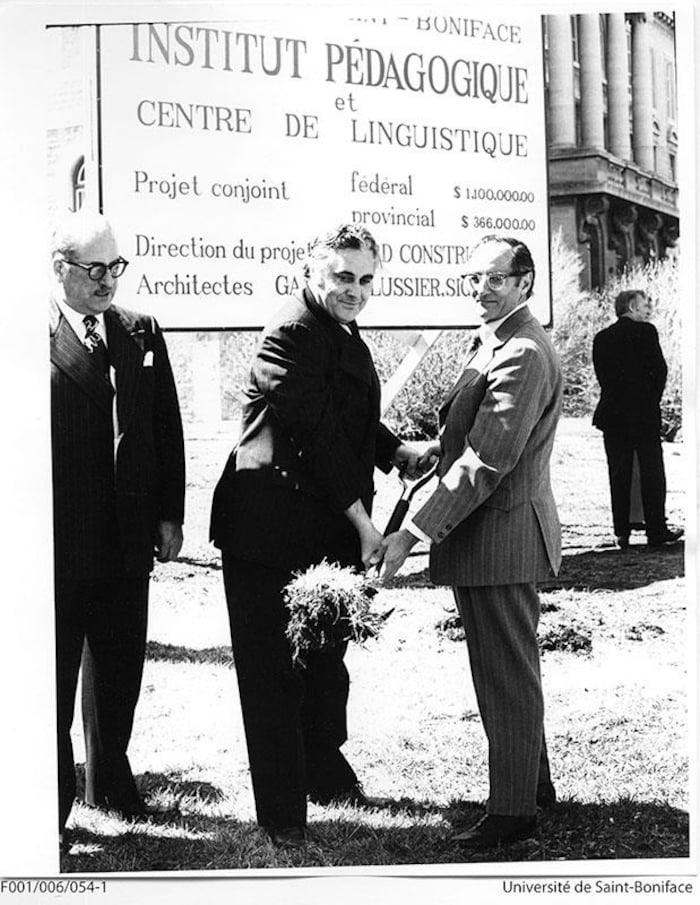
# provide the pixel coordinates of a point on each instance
(500, 624)
(620, 450)
(294, 717)
(104, 623)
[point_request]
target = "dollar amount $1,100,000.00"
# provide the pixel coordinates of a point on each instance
(470, 193)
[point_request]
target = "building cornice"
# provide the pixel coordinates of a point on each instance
(665, 19)
(576, 172)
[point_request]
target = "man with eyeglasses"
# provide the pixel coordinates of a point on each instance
(118, 498)
(494, 531)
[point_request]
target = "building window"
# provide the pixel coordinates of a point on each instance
(604, 46)
(628, 32)
(78, 184)
(658, 152)
(578, 122)
(654, 83)
(575, 41)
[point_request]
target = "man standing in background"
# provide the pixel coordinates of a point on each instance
(118, 498)
(631, 370)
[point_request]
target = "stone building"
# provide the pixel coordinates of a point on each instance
(612, 115)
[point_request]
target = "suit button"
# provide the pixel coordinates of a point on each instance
(441, 533)
(448, 527)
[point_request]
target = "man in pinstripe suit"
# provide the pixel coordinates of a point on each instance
(118, 497)
(494, 530)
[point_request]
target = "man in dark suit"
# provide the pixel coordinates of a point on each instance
(118, 497)
(297, 488)
(631, 370)
(494, 530)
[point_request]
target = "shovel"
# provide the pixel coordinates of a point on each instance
(408, 492)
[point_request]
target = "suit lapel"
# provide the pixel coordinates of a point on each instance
(511, 324)
(468, 375)
(353, 354)
(70, 355)
(126, 356)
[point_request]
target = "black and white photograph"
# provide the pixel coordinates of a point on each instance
(350, 455)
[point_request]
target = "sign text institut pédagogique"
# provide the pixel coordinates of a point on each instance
(226, 146)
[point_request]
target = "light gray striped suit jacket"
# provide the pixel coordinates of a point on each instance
(492, 518)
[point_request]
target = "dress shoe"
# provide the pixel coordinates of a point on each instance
(546, 794)
(496, 829)
(622, 541)
(288, 836)
(669, 536)
(354, 796)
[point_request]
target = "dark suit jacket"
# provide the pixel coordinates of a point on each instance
(310, 439)
(631, 370)
(115, 474)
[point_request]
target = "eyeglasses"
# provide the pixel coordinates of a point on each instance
(495, 280)
(96, 270)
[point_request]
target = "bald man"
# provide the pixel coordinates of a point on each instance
(118, 499)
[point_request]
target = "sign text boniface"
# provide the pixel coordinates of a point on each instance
(227, 146)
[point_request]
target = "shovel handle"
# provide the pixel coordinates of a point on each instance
(397, 516)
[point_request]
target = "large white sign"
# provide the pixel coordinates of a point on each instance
(227, 146)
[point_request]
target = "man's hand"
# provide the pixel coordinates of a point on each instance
(429, 458)
(406, 459)
(168, 541)
(370, 545)
(392, 553)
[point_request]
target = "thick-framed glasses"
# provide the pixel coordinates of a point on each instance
(96, 270)
(495, 280)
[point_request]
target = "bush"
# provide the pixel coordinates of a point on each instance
(413, 414)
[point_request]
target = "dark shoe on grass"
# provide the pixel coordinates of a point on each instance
(496, 829)
(288, 836)
(354, 796)
(622, 541)
(670, 536)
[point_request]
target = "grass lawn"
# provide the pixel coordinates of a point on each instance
(613, 632)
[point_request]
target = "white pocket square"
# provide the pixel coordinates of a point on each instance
(148, 359)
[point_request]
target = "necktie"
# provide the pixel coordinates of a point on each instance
(94, 344)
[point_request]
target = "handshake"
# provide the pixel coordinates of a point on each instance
(388, 553)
